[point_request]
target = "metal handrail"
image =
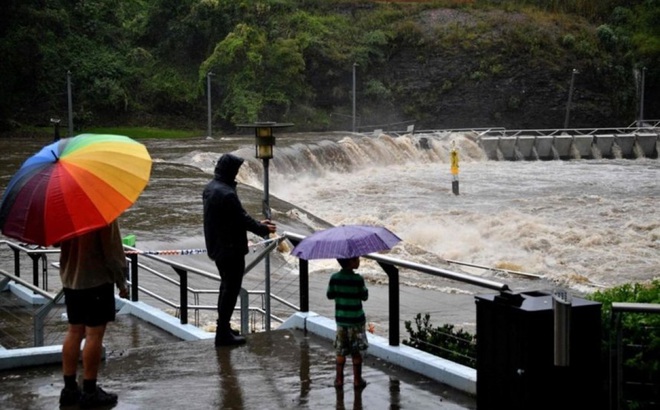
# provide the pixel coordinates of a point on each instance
(391, 267)
(616, 359)
(36, 253)
(389, 264)
(28, 285)
(40, 315)
(503, 132)
(181, 308)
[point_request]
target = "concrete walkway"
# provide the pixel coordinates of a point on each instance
(283, 369)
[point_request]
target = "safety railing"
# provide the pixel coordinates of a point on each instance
(137, 269)
(651, 126)
(184, 271)
(39, 258)
(391, 267)
(39, 317)
(648, 390)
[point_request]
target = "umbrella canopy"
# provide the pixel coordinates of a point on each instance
(345, 241)
(73, 186)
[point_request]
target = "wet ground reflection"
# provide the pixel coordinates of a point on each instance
(277, 370)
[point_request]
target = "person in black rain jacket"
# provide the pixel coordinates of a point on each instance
(226, 224)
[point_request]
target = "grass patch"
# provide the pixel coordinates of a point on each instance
(145, 132)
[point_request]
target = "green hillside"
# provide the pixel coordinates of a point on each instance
(437, 64)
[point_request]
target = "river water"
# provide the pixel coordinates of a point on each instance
(578, 224)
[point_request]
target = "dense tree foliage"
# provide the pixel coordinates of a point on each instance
(141, 61)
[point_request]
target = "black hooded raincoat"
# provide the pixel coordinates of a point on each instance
(225, 221)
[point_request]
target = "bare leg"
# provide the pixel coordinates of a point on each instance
(339, 379)
(358, 381)
(71, 349)
(93, 351)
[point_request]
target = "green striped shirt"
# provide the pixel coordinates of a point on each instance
(348, 290)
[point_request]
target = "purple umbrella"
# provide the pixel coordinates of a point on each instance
(345, 241)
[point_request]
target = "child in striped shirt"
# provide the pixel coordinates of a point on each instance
(348, 290)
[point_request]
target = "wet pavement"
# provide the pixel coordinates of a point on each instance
(281, 369)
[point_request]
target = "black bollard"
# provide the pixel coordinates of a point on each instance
(454, 187)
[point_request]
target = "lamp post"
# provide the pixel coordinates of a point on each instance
(640, 123)
(354, 66)
(264, 142)
(70, 103)
(209, 133)
(570, 97)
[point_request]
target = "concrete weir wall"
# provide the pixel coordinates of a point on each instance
(550, 147)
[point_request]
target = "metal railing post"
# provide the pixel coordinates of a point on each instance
(245, 311)
(393, 292)
(303, 270)
(183, 294)
(35, 268)
(44, 271)
(134, 276)
(17, 262)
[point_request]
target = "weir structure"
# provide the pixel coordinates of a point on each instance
(574, 143)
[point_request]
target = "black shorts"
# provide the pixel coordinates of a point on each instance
(90, 307)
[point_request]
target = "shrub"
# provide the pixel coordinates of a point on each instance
(640, 339)
(456, 345)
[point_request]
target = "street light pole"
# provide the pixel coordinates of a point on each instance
(70, 102)
(570, 98)
(354, 65)
(264, 143)
(209, 132)
(640, 123)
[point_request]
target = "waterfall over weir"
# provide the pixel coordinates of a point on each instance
(344, 153)
(354, 152)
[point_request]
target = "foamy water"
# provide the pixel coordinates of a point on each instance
(581, 223)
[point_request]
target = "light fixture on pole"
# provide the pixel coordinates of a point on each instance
(264, 142)
(570, 97)
(209, 132)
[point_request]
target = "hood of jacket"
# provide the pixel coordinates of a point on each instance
(227, 167)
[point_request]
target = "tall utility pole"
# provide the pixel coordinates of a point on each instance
(640, 123)
(209, 132)
(570, 98)
(354, 65)
(70, 103)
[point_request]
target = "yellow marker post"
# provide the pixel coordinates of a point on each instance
(454, 168)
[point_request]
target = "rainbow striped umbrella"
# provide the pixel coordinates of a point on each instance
(73, 186)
